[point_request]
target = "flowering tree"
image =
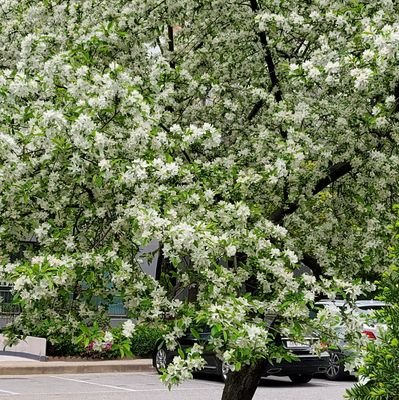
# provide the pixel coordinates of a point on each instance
(244, 136)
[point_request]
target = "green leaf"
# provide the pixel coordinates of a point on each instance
(195, 333)
(215, 330)
(225, 336)
(181, 353)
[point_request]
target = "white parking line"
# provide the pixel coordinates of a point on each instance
(7, 392)
(195, 380)
(94, 384)
(131, 390)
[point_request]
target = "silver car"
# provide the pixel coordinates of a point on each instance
(336, 367)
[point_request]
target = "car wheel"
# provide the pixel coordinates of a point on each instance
(160, 360)
(300, 378)
(335, 369)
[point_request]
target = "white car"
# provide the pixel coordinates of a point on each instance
(336, 367)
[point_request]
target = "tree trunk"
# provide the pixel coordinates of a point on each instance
(242, 385)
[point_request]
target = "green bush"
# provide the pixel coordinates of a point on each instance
(142, 344)
(64, 347)
(144, 340)
(92, 341)
(380, 372)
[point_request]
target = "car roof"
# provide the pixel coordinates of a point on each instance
(359, 303)
(370, 303)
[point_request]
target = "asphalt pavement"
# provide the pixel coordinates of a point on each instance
(147, 386)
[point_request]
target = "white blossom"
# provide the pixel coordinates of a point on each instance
(128, 328)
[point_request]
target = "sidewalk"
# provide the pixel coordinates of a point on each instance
(14, 365)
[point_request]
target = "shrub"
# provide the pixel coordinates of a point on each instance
(144, 340)
(63, 347)
(100, 343)
(380, 372)
(89, 341)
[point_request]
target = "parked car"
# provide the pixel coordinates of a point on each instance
(8, 310)
(299, 371)
(336, 366)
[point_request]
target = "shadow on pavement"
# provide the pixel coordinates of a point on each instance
(282, 382)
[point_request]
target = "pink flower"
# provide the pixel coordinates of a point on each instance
(90, 346)
(107, 346)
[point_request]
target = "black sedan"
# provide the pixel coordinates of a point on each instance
(300, 370)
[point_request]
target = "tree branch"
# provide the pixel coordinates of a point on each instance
(270, 67)
(334, 173)
(255, 109)
(171, 45)
(396, 94)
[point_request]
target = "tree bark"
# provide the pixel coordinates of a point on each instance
(160, 261)
(335, 172)
(242, 385)
(271, 67)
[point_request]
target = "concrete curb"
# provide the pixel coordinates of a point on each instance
(74, 367)
(24, 355)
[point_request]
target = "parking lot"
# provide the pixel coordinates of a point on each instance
(146, 386)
